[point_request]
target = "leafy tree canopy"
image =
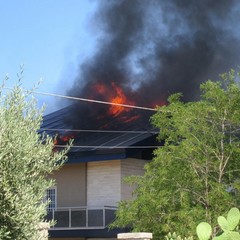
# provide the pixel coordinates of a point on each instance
(195, 175)
(26, 158)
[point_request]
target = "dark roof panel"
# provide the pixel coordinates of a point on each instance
(125, 135)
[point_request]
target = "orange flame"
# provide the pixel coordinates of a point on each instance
(120, 98)
(63, 139)
(113, 94)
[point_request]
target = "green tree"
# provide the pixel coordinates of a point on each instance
(26, 159)
(195, 175)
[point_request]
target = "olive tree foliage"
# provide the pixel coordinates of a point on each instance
(26, 159)
(195, 175)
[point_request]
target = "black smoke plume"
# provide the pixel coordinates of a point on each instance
(153, 48)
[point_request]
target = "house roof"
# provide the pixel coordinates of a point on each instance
(110, 138)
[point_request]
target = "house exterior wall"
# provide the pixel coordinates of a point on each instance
(103, 183)
(71, 185)
(95, 184)
(130, 167)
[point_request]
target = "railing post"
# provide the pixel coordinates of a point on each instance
(53, 216)
(70, 217)
(104, 216)
(135, 236)
(86, 217)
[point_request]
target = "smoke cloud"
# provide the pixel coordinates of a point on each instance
(153, 48)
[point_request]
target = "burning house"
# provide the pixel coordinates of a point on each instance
(146, 51)
(109, 143)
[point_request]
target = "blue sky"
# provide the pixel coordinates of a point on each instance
(50, 37)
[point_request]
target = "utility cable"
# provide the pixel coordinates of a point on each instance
(103, 147)
(89, 100)
(96, 131)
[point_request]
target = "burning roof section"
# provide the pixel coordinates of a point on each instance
(102, 127)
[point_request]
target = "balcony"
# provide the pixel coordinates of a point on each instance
(81, 217)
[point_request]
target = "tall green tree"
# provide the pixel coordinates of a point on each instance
(195, 175)
(26, 159)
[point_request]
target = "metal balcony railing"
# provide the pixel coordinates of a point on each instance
(81, 217)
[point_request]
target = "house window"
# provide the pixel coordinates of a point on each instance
(51, 196)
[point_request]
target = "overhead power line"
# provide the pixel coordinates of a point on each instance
(97, 131)
(104, 147)
(89, 100)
